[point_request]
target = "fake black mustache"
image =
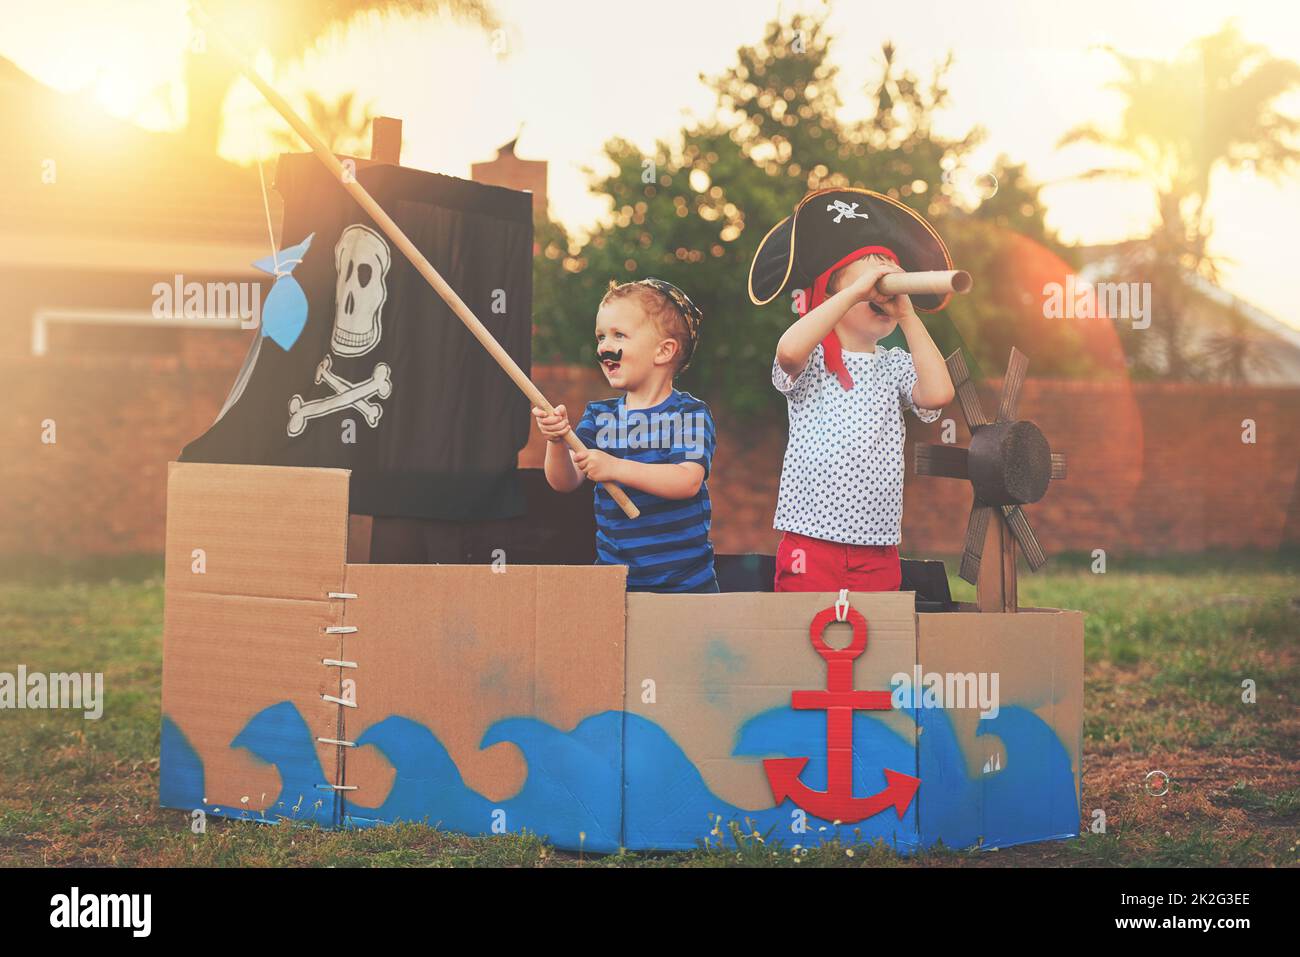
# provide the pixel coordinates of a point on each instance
(611, 356)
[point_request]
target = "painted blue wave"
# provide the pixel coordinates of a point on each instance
(1032, 797)
(276, 735)
(180, 769)
(669, 805)
(572, 792)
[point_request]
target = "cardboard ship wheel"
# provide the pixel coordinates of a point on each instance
(1009, 465)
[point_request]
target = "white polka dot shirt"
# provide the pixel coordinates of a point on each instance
(842, 480)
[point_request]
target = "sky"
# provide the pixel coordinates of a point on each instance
(576, 73)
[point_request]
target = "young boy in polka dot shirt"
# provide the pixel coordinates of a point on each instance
(840, 502)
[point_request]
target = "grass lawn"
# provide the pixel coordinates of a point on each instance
(1169, 644)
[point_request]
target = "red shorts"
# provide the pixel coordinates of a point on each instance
(813, 564)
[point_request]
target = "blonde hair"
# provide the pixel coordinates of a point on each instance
(663, 312)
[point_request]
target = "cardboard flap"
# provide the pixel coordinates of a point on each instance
(253, 553)
(1013, 774)
(243, 681)
(713, 678)
(488, 698)
(263, 530)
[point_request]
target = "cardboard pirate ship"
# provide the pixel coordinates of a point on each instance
(487, 696)
(487, 699)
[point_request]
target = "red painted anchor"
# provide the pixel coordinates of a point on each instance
(839, 700)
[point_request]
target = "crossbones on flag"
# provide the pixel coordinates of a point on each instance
(383, 378)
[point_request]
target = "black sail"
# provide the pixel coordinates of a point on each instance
(388, 381)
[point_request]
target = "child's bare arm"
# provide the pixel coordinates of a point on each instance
(673, 480)
(933, 389)
(799, 341)
(561, 474)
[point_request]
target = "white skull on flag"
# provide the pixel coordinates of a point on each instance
(361, 259)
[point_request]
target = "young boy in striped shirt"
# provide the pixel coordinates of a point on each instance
(654, 441)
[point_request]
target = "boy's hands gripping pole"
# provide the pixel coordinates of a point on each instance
(399, 239)
(594, 464)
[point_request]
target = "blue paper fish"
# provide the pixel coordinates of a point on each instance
(284, 314)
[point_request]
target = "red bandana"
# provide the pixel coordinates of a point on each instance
(815, 296)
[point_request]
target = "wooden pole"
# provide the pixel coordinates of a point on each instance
(400, 240)
(996, 588)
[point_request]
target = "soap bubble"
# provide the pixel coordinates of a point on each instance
(1156, 783)
(973, 186)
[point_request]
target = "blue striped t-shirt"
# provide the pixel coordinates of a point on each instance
(667, 548)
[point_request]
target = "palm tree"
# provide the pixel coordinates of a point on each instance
(1211, 108)
(287, 29)
(333, 123)
(1241, 352)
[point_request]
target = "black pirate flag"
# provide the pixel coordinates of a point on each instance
(383, 378)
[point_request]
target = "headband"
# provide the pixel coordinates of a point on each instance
(690, 314)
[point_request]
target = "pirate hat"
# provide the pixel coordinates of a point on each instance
(832, 227)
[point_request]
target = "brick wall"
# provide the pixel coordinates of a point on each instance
(1152, 468)
(101, 487)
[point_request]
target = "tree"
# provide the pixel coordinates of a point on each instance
(333, 123)
(694, 212)
(1213, 107)
(287, 29)
(1240, 352)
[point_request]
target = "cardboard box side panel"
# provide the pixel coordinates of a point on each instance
(242, 706)
(488, 700)
(710, 680)
(579, 642)
(431, 650)
(1013, 776)
(1068, 676)
(265, 531)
